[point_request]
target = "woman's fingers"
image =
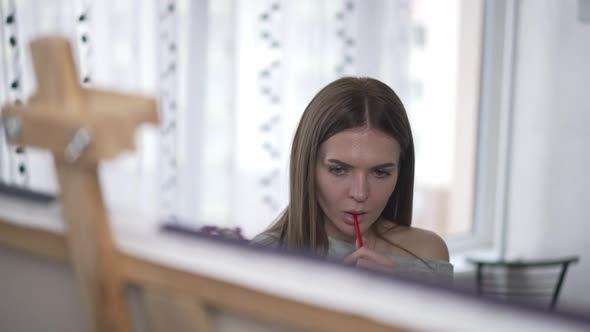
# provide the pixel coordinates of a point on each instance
(359, 253)
(351, 259)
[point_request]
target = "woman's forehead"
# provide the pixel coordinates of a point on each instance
(361, 145)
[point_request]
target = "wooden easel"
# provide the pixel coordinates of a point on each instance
(82, 127)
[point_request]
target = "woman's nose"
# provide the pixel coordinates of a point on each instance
(359, 188)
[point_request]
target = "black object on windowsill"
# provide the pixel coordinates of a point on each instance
(26, 194)
(231, 234)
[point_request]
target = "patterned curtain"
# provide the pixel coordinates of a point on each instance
(13, 160)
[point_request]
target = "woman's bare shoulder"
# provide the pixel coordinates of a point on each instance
(424, 243)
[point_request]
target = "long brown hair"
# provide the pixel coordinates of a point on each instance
(346, 103)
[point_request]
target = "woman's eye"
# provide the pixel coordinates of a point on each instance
(338, 170)
(382, 174)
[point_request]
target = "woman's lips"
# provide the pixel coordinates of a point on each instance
(349, 217)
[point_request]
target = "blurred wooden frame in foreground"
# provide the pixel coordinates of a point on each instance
(82, 127)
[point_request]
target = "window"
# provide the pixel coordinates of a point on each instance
(273, 56)
(444, 69)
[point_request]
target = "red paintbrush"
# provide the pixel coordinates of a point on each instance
(359, 237)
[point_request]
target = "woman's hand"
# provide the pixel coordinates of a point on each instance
(370, 259)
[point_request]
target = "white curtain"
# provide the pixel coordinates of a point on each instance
(232, 78)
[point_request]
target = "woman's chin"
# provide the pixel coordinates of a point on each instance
(347, 231)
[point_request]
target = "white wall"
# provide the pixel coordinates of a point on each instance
(549, 206)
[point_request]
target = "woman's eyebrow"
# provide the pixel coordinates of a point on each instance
(341, 163)
(384, 165)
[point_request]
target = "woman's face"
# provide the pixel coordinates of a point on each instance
(356, 172)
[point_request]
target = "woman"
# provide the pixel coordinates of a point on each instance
(353, 154)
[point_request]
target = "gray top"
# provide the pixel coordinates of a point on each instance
(427, 269)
